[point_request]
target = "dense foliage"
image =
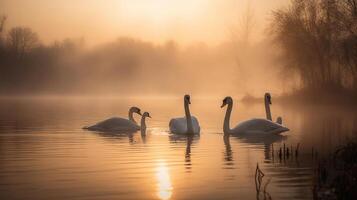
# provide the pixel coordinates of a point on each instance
(318, 41)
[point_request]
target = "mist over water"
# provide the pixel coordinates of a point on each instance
(66, 65)
(130, 67)
(43, 148)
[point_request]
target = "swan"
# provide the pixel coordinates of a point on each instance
(252, 126)
(185, 125)
(142, 122)
(117, 123)
(120, 134)
(267, 102)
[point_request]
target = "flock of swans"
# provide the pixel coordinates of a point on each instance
(189, 124)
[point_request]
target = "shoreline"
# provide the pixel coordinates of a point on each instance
(311, 97)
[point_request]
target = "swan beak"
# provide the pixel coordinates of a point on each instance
(223, 105)
(139, 112)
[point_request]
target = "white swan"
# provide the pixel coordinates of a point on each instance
(117, 123)
(185, 125)
(267, 102)
(142, 123)
(252, 126)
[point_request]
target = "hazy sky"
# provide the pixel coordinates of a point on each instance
(155, 20)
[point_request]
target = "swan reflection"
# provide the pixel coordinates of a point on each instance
(228, 155)
(117, 136)
(189, 139)
(258, 139)
(164, 187)
(188, 153)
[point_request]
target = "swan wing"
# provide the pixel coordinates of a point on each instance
(114, 124)
(196, 125)
(179, 125)
(259, 126)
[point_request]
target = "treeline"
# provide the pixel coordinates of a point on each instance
(318, 41)
(126, 66)
(28, 66)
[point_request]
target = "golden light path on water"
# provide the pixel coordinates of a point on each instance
(164, 186)
(44, 148)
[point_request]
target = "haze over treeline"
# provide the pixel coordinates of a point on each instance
(306, 45)
(126, 66)
(131, 66)
(318, 43)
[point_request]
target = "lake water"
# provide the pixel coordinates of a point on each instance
(45, 154)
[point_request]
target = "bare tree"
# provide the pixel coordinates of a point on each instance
(247, 24)
(2, 28)
(21, 40)
(2, 23)
(241, 33)
(240, 37)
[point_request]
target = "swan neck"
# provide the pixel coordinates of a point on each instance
(188, 118)
(226, 126)
(130, 116)
(267, 110)
(143, 124)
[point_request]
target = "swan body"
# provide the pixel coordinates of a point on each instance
(117, 123)
(267, 102)
(179, 125)
(257, 126)
(252, 126)
(185, 125)
(114, 124)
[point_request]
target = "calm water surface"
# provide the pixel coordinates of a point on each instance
(44, 153)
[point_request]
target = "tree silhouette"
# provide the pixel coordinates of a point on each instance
(22, 40)
(318, 41)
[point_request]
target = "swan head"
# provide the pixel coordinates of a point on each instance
(187, 99)
(267, 97)
(146, 114)
(227, 100)
(135, 110)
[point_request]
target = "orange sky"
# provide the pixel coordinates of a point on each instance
(186, 21)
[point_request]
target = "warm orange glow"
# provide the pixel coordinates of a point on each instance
(185, 21)
(161, 11)
(164, 187)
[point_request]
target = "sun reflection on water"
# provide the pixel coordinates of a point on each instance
(164, 187)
